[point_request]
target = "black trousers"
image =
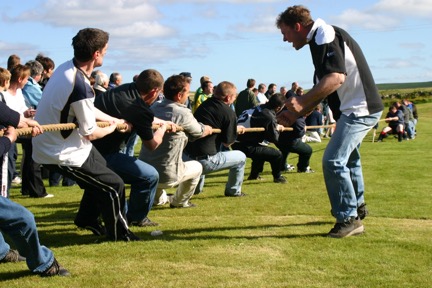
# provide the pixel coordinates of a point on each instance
(32, 183)
(104, 193)
(259, 155)
(296, 146)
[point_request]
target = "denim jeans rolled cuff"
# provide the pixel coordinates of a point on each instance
(19, 224)
(233, 160)
(341, 164)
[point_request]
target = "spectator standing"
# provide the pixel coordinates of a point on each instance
(271, 90)
(246, 99)
(293, 90)
(207, 91)
(115, 80)
(261, 97)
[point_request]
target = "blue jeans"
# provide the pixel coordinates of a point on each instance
(234, 161)
(19, 224)
(129, 148)
(342, 167)
(143, 179)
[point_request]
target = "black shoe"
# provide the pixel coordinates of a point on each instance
(12, 256)
(95, 227)
(352, 227)
(55, 270)
(187, 205)
(280, 179)
(255, 178)
(362, 211)
(236, 195)
(146, 222)
(129, 236)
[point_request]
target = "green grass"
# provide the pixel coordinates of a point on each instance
(274, 237)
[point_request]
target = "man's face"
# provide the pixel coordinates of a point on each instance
(185, 94)
(293, 35)
(232, 97)
(209, 89)
(99, 56)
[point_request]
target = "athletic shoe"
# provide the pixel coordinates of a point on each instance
(12, 256)
(280, 179)
(288, 167)
(236, 195)
(255, 178)
(163, 199)
(17, 180)
(308, 170)
(186, 205)
(146, 222)
(352, 227)
(55, 270)
(362, 211)
(95, 227)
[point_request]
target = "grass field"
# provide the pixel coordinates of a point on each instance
(274, 237)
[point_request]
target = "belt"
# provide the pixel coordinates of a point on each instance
(202, 157)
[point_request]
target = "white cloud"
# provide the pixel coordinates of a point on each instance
(114, 14)
(365, 20)
(417, 8)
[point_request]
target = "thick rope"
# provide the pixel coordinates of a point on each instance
(69, 126)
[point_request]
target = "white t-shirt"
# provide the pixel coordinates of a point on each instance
(67, 98)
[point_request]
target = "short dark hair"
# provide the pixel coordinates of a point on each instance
(250, 83)
(114, 77)
(294, 14)
(12, 61)
(174, 85)
(276, 100)
(149, 79)
(46, 62)
(87, 42)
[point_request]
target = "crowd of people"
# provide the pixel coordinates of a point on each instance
(182, 149)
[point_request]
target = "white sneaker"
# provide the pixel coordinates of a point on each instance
(163, 199)
(17, 180)
(48, 196)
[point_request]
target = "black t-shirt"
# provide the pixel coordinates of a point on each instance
(265, 118)
(217, 114)
(297, 132)
(124, 102)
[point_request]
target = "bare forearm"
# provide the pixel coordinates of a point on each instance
(327, 85)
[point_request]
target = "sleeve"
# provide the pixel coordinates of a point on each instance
(5, 145)
(141, 118)
(229, 130)
(329, 58)
(85, 115)
(8, 117)
(192, 127)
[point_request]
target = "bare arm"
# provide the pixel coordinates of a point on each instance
(301, 105)
(327, 85)
(152, 144)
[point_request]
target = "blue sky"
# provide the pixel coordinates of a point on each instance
(229, 40)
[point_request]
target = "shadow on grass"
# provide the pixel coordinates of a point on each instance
(15, 275)
(190, 234)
